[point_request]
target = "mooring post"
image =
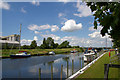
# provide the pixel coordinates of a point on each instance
(72, 66)
(51, 71)
(106, 71)
(39, 73)
(61, 70)
(80, 62)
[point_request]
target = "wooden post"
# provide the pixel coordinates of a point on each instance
(72, 66)
(106, 71)
(51, 72)
(80, 62)
(39, 73)
(61, 70)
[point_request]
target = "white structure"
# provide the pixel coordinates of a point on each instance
(10, 40)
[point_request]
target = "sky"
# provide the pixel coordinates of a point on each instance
(71, 21)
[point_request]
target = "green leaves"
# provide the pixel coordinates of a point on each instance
(33, 44)
(64, 44)
(93, 7)
(95, 24)
(108, 15)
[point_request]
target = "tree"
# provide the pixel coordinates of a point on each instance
(25, 47)
(107, 15)
(5, 46)
(64, 44)
(33, 44)
(56, 45)
(48, 44)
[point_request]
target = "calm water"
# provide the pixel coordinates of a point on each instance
(50, 66)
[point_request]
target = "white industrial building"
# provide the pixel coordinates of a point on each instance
(11, 40)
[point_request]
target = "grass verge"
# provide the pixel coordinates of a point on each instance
(97, 69)
(7, 52)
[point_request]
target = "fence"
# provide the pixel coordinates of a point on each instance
(113, 59)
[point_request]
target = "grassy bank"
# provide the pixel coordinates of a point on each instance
(7, 52)
(97, 69)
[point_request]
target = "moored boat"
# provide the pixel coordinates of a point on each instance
(20, 54)
(89, 54)
(51, 53)
(74, 51)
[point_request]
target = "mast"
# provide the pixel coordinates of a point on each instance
(106, 42)
(20, 36)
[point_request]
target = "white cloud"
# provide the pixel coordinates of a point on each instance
(83, 10)
(99, 28)
(55, 37)
(26, 42)
(70, 25)
(65, 1)
(34, 27)
(62, 17)
(36, 32)
(35, 3)
(75, 41)
(54, 28)
(96, 32)
(35, 38)
(60, 14)
(95, 35)
(4, 5)
(86, 42)
(97, 38)
(23, 10)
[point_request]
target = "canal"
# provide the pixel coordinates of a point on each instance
(52, 66)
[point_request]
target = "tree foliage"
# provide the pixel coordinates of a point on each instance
(33, 44)
(107, 15)
(48, 43)
(25, 47)
(64, 44)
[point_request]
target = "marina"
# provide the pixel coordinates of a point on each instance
(61, 40)
(29, 67)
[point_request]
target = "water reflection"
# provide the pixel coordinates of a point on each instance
(43, 66)
(67, 61)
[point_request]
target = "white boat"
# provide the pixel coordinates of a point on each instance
(90, 52)
(88, 56)
(20, 54)
(51, 53)
(85, 58)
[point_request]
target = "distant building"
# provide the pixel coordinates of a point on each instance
(11, 40)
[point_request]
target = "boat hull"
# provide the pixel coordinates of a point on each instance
(19, 56)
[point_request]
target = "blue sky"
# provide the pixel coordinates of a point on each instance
(72, 21)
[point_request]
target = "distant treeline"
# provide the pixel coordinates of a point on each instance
(47, 44)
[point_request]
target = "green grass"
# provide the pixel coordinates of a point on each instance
(7, 52)
(97, 69)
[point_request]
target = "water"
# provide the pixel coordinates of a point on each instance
(50, 66)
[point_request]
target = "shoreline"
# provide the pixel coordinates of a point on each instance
(38, 52)
(79, 72)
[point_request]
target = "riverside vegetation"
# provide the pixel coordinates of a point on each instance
(97, 69)
(7, 52)
(47, 46)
